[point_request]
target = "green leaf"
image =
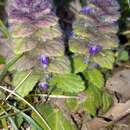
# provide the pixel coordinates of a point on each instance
(21, 45)
(95, 77)
(79, 64)
(108, 42)
(32, 122)
(48, 33)
(3, 29)
(51, 48)
(22, 30)
(59, 65)
(19, 120)
(107, 101)
(78, 46)
(9, 65)
(86, 30)
(68, 83)
(80, 29)
(4, 124)
(24, 82)
(93, 101)
(2, 60)
(54, 117)
(123, 55)
(105, 60)
(89, 106)
(26, 62)
(11, 120)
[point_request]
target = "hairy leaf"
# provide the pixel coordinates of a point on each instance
(105, 60)
(24, 82)
(123, 55)
(22, 45)
(78, 46)
(54, 117)
(93, 101)
(79, 64)
(95, 77)
(60, 65)
(107, 101)
(68, 83)
(51, 48)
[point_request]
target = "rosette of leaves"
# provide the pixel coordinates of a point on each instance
(94, 32)
(35, 34)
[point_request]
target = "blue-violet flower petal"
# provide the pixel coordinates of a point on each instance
(94, 49)
(43, 85)
(43, 60)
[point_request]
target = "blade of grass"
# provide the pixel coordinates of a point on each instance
(56, 96)
(10, 119)
(4, 124)
(27, 118)
(13, 114)
(33, 108)
(5, 70)
(3, 29)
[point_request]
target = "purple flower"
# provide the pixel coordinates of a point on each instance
(94, 49)
(43, 60)
(43, 85)
(86, 10)
(94, 1)
(70, 34)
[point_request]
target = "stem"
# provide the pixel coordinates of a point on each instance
(56, 96)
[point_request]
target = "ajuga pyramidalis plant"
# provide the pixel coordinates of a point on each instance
(35, 33)
(94, 32)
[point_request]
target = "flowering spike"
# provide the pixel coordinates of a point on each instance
(35, 30)
(97, 25)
